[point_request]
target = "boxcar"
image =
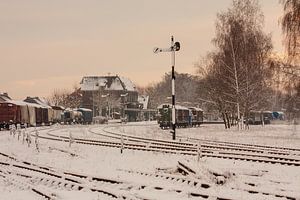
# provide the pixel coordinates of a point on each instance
(87, 115)
(39, 115)
(9, 114)
(17, 112)
(28, 117)
(196, 116)
(57, 114)
(45, 119)
(256, 117)
(182, 116)
(165, 116)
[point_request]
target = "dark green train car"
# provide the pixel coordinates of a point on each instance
(87, 115)
(164, 117)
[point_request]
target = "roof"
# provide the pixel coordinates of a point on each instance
(84, 109)
(170, 106)
(22, 103)
(4, 97)
(57, 108)
(94, 83)
(195, 108)
(37, 100)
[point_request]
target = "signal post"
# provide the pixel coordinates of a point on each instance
(174, 47)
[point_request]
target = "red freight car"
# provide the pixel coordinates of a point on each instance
(9, 113)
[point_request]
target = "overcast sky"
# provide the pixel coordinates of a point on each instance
(46, 45)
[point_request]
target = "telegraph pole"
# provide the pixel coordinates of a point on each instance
(174, 47)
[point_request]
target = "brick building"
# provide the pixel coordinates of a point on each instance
(109, 96)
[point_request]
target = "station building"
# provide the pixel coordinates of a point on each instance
(110, 96)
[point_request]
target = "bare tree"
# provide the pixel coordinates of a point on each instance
(237, 71)
(291, 28)
(287, 85)
(186, 90)
(65, 98)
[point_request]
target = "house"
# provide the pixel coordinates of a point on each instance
(109, 96)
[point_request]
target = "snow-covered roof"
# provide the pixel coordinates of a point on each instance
(116, 84)
(195, 108)
(144, 100)
(23, 103)
(4, 97)
(129, 86)
(84, 109)
(170, 106)
(57, 107)
(93, 83)
(38, 101)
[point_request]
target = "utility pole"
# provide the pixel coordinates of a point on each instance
(174, 47)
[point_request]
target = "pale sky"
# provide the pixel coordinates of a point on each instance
(49, 44)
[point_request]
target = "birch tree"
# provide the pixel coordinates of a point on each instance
(238, 70)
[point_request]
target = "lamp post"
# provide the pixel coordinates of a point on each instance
(174, 47)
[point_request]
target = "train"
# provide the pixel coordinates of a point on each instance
(266, 117)
(32, 114)
(185, 116)
(79, 115)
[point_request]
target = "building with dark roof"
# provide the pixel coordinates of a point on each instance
(109, 96)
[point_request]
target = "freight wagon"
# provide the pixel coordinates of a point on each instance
(184, 117)
(18, 112)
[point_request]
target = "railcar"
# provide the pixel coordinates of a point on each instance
(17, 112)
(38, 115)
(87, 115)
(45, 118)
(185, 117)
(57, 114)
(71, 116)
(165, 116)
(257, 117)
(278, 115)
(9, 114)
(196, 117)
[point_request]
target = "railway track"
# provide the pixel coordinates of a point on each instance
(271, 149)
(204, 188)
(42, 182)
(230, 148)
(162, 146)
(29, 176)
(210, 144)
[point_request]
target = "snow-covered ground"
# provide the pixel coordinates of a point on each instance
(150, 175)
